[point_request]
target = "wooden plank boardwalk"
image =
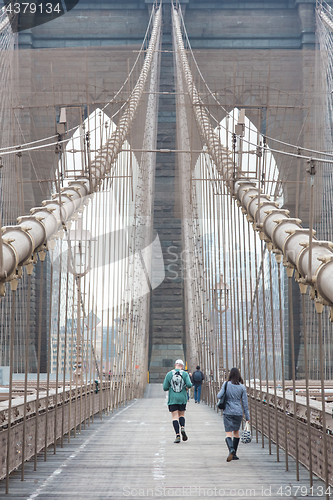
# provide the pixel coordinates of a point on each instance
(131, 454)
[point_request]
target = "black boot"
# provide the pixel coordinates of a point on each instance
(230, 445)
(235, 443)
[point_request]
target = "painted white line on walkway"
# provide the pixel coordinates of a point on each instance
(74, 455)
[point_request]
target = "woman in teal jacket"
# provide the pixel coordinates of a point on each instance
(176, 381)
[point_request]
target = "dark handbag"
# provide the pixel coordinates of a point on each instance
(223, 399)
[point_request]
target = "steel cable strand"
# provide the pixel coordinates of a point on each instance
(20, 146)
(21, 241)
(275, 225)
(116, 140)
(218, 153)
(210, 93)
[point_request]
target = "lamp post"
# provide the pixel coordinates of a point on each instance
(221, 292)
(221, 304)
(79, 265)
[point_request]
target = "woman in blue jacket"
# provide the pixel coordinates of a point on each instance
(236, 405)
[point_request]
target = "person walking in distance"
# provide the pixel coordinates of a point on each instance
(197, 379)
(188, 390)
(236, 404)
(176, 381)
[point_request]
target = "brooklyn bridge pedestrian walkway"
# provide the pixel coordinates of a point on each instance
(131, 454)
(166, 192)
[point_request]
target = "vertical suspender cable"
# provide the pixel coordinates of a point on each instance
(238, 278)
(63, 403)
(102, 392)
(247, 374)
(303, 289)
(108, 326)
(225, 201)
(265, 346)
(230, 252)
(242, 268)
(319, 309)
(259, 340)
(279, 261)
(293, 370)
(79, 352)
(71, 368)
(274, 361)
(13, 285)
(48, 363)
(55, 435)
(40, 305)
(26, 368)
(253, 297)
(85, 326)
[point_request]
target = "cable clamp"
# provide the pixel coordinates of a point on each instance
(312, 166)
(325, 259)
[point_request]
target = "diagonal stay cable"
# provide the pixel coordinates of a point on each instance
(33, 232)
(313, 259)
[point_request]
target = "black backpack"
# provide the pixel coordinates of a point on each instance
(197, 376)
